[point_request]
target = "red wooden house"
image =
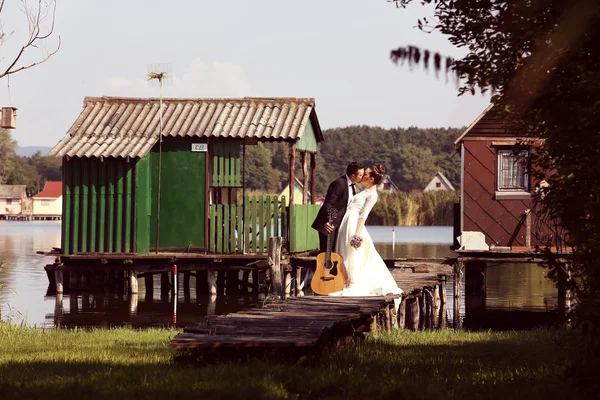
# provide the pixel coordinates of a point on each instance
(496, 186)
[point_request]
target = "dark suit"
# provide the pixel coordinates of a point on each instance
(336, 199)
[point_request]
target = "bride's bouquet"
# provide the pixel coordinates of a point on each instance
(356, 241)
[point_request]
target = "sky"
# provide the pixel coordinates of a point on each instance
(334, 51)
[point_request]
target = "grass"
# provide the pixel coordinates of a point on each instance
(123, 363)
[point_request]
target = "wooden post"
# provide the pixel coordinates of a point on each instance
(201, 281)
(274, 251)
(305, 187)
(313, 177)
(393, 315)
(422, 310)
(402, 313)
(212, 281)
(133, 282)
(373, 326)
(212, 304)
(149, 284)
(73, 304)
(245, 281)
(72, 281)
(299, 285)
(58, 277)
(58, 307)
(428, 308)
(528, 229)
(133, 304)
(291, 168)
(564, 293)
(414, 313)
(387, 319)
(435, 317)
(458, 267)
(288, 284)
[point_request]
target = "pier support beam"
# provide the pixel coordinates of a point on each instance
(58, 277)
(564, 292)
(458, 273)
(274, 252)
(212, 282)
(443, 320)
(133, 282)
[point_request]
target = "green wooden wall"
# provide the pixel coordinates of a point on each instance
(308, 141)
(98, 206)
(302, 236)
(182, 201)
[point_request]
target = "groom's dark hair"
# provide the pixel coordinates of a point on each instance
(353, 168)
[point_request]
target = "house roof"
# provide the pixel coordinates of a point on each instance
(389, 179)
(129, 127)
(13, 191)
(52, 190)
(443, 178)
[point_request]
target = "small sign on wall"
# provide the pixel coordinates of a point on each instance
(199, 146)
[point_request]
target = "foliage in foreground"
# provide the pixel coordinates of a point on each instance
(417, 365)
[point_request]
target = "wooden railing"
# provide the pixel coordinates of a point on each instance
(302, 236)
(237, 229)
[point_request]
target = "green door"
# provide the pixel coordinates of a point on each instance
(182, 196)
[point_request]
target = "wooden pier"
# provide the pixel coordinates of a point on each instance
(299, 322)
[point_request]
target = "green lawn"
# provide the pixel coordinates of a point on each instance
(123, 363)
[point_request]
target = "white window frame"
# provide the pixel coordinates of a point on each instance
(518, 190)
(45, 202)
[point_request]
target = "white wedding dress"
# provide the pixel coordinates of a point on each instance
(367, 273)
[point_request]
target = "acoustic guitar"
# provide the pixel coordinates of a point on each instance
(328, 277)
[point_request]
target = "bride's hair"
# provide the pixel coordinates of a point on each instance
(377, 173)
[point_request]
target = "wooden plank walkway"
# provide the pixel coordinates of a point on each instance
(305, 322)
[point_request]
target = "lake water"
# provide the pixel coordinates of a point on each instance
(518, 295)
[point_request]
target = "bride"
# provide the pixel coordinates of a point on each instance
(367, 274)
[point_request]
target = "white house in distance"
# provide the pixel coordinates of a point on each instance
(47, 204)
(11, 200)
(387, 185)
(439, 182)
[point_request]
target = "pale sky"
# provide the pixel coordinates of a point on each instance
(334, 51)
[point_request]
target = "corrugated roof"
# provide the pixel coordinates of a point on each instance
(52, 190)
(13, 191)
(129, 127)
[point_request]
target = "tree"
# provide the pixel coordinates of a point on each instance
(542, 59)
(258, 165)
(414, 167)
(7, 154)
(40, 18)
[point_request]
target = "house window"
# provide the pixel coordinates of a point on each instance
(387, 186)
(438, 184)
(8, 202)
(512, 171)
(45, 202)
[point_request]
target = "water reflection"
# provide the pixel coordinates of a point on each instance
(518, 295)
(104, 310)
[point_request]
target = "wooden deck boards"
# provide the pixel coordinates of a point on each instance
(296, 322)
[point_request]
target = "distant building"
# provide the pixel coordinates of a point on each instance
(48, 202)
(298, 188)
(439, 182)
(11, 199)
(387, 185)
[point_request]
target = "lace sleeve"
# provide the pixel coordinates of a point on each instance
(369, 203)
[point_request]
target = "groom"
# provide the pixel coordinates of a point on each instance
(338, 196)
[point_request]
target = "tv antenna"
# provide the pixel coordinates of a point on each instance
(159, 75)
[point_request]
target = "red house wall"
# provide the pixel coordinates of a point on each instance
(502, 221)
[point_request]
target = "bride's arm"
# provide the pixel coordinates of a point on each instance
(364, 213)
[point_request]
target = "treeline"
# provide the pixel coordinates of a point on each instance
(412, 156)
(33, 172)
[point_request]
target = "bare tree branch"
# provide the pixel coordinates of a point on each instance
(36, 18)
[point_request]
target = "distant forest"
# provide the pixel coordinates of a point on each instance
(412, 156)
